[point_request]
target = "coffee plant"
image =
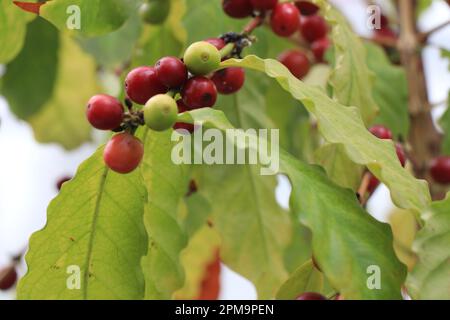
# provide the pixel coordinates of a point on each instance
(352, 113)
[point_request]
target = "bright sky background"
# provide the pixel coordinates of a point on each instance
(28, 171)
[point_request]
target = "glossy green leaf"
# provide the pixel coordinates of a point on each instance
(13, 28)
(351, 78)
(305, 279)
(94, 224)
(430, 278)
(343, 125)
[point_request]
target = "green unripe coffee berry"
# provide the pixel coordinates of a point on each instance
(202, 58)
(155, 11)
(160, 112)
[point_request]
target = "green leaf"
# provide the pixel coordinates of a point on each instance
(13, 28)
(346, 240)
(33, 71)
(63, 117)
(429, 279)
(446, 55)
(96, 17)
(305, 279)
(445, 124)
(95, 223)
(166, 183)
(351, 78)
(343, 125)
(390, 91)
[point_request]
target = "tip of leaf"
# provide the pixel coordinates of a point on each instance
(29, 6)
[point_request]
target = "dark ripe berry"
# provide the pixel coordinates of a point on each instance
(143, 83)
(296, 61)
(229, 80)
(440, 169)
(319, 48)
(8, 278)
(181, 125)
(263, 5)
(311, 296)
(123, 153)
(384, 21)
(237, 8)
(385, 33)
(306, 8)
(381, 132)
(216, 42)
(199, 92)
(104, 112)
(373, 184)
(313, 28)
(61, 181)
(285, 19)
(171, 71)
(400, 154)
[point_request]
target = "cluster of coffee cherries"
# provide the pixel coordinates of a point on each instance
(286, 19)
(170, 87)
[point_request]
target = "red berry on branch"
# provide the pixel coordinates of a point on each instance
(307, 8)
(199, 92)
(237, 8)
(263, 5)
(311, 296)
(381, 132)
(319, 47)
(143, 83)
(181, 125)
(384, 21)
(440, 169)
(285, 19)
(373, 184)
(172, 72)
(385, 33)
(313, 28)
(216, 42)
(123, 153)
(400, 154)
(8, 278)
(229, 80)
(104, 112)
(296, 61)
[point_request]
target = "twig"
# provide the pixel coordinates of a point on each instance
(253, 24)
(362, 190)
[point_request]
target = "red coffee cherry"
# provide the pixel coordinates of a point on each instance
(306, 8)
(263, 5)
(311, 296)
(385, 33)
(285, 19)
(373, 184)
(381, 132)
(313, 28)
(296, 61)
(8, 278)
(172, 72)
(181, 125)
(216, 42)
(199, 92)
(440, 169)
(143, 83)
(319, 47)
(229, 80)
(237, 8)
(123, 153)
(104, 112)
(400, 154)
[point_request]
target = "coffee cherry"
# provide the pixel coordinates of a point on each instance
(143, 83)
(313, 28)
(285, 19)
(311, 296)
(8, 278)
(123, 153)
(263, 5)
(440, 169)
(319, 47)
(237, 8)
(229, 80)
(181, 125)
(160, 112)
(385, 33)
(400, 154)
(171, 71)
(199, 92)
(61, 181)
(155, 11)
(381, 132)
(216, 42)
(306, 8)
(104, 112)
(296, 61)
(202, 58)
(373, 184)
